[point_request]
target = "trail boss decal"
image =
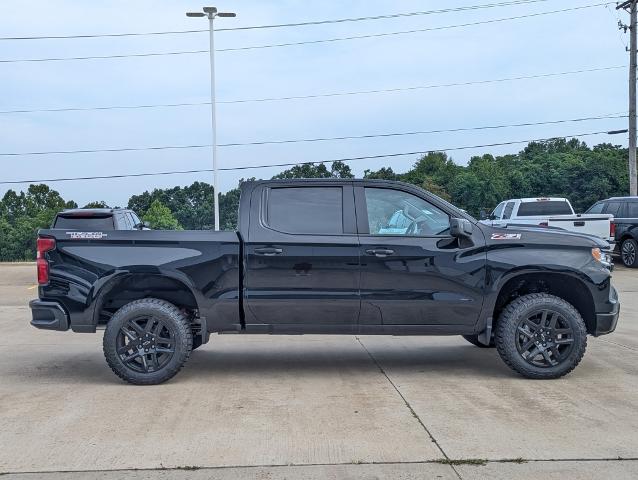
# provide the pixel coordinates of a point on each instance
(506, 236)
(86, 235)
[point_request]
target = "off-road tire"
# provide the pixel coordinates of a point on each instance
(629, 253)
(522, 308)
(473, 339)
(171, 318)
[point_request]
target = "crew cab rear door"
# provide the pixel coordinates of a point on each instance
(416, 275)
(302, 257)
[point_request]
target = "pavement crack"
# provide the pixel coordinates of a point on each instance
(407, 404)
(619, 344)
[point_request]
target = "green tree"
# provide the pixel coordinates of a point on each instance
(160, 217)
(96, 204)
(22, 215)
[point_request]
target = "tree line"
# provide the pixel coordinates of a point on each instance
(559, 167)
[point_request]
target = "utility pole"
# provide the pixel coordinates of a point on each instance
(211, 13)
(633, 35)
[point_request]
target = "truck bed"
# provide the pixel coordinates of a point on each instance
(83, 265)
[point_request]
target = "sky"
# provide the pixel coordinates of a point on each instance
(580, 39)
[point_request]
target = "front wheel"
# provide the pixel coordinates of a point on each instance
(541, 336)
(629, 253)
(147, 341)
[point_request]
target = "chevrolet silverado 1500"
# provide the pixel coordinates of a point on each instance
(322, 257)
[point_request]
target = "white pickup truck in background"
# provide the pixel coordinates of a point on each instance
(551, 212)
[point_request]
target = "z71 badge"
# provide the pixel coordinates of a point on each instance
(86, 235)
(506, 236)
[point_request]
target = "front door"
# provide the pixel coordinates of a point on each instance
(412, 271)
(302, 257)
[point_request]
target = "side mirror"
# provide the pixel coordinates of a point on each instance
(142, 226)
(483, 214)
(460, 228)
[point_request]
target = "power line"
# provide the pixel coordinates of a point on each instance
(423, 87)
(283, 25)
(330, 94)
(312, 140)
(426, 132)
(350, 159)
(102, 57)
(405, 32)
(307, 42)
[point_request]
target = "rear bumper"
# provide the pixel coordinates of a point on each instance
(48, 315)
(606, 322)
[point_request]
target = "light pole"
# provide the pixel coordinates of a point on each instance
(211, 13)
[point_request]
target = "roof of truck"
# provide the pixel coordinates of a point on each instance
(90, 211)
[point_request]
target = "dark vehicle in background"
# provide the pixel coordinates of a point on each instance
(625, 212)
(329, 257)
(98, 219)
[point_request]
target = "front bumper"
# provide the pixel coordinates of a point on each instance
(606, 322)
(48, 315)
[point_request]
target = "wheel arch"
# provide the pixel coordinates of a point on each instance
(129, 286)
(569, 287)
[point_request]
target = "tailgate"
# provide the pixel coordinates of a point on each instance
(597, 225)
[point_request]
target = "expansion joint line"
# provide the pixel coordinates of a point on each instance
(407, 404)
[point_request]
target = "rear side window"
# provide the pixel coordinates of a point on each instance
(598, 208)
(632, 210)
(507, 213)
(306, 210)
(613, 208)
(84, 223)
(549, 207)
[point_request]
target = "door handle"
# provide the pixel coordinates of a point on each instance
(380, 252)
(268, 251)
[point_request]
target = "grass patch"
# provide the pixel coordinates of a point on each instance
(463, 461)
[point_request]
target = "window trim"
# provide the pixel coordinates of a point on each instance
(363, 222)
(347, 209)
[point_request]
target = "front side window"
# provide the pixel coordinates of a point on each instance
(393, 212)
(632, 210)
(498, 211)
(306, 210)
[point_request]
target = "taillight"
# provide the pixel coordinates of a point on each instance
(612, 229)
(44, 245)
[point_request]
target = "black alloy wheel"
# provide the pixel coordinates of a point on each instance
(629, 253)
(145, 344)
(544, 339)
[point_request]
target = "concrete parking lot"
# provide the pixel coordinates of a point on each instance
(312, 407)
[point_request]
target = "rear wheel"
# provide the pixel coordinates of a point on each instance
(473, 339)
(629, 253)
(147, 341)
(541, 336)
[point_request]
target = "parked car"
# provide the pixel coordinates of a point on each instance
(550, 212)
(625, 212)
(310, 256)
(98, 219)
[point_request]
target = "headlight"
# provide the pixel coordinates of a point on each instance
(601, 256)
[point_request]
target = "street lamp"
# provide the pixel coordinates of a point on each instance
(211, 13)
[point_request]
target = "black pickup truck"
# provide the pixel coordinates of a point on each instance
(329, 257)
